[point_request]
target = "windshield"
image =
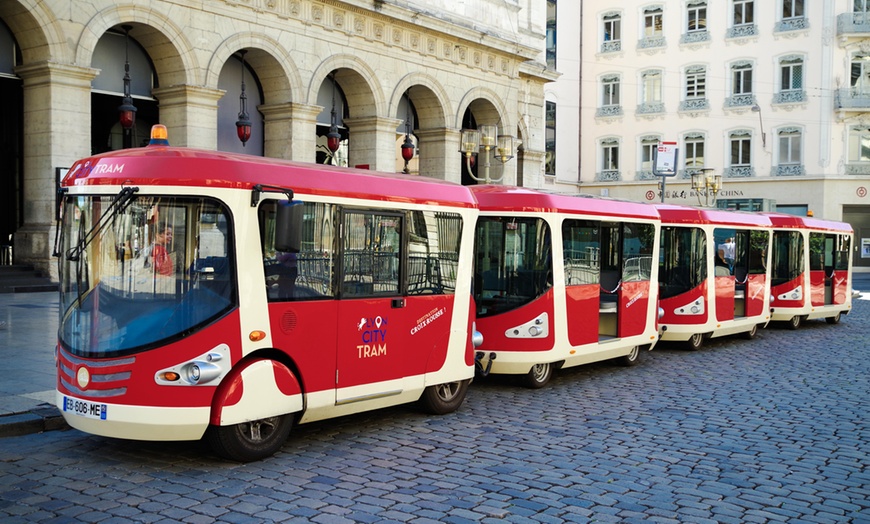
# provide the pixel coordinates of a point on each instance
(136, 275)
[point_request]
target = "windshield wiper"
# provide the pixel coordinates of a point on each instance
(119, 205)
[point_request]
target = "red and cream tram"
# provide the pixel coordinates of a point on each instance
(561, 281)
(811, 269)
(713, 276)
(205, 293)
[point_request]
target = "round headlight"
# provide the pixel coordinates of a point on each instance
(193, 373)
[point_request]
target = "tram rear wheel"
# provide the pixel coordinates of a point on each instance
(252, 440)
(695, 341)
(834, 319)
(444, 398)
(749, 335)
(794, 322)
(632, 358)
(538, 376)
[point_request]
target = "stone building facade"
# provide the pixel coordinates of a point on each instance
(387, 68)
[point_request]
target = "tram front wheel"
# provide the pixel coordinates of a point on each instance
(538, 376)
(444, 398)
(749, 335)
(794, 322)
(252, 440)
(834, 319)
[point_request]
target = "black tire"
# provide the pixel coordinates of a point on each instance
(794, 322)
(250, 441)
(538, 376)
(834, 319)
(695, 341)
(444, 398)
(749, 335)
(632, 358)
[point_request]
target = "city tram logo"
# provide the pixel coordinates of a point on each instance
(373, 335)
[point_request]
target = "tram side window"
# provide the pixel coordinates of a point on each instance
(841, 262)
(682, 260)
(581, 251)
(788, 257)
(371, 253)
(514, 263)
(433, 252)
(821, 251)
(305, 275)
(758, 241)
(637, 249)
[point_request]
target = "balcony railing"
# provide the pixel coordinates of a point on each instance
(792, 24)
(789, 170)
(742, 31)
(650, 108)
(695, 104)
(609, 111)
(853, 24)
(852, 98)
(790, 97)
(746, 100)
(858, 169)
(695, 37)
(738, 172)
(612, 46)
(651, 42)
(608, 175)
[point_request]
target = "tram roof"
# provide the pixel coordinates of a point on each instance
(178, 166)
(678, 214)
(783, 220)
(511, 198)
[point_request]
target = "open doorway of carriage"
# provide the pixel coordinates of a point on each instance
(11, 143)
(116, 49)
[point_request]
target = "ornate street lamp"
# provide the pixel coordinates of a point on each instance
(333, 138)
(707, 185)
(127, 111)
(408, 144)
(243, 124)
(485, 140)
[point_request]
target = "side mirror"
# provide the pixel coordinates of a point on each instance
(288, 226)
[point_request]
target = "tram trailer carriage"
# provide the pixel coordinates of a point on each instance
(713, 273)
(229, 296)
(561, 281)
(811, 269)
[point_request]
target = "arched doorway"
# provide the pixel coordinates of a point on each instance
(331, 119)
(114, 50)
(11, 142)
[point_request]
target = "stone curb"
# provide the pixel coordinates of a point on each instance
(44, 417)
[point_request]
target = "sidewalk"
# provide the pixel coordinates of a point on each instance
(28, 333)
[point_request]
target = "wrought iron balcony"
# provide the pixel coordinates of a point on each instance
(858, 169)
(789, 170)
(852, 98)
(695, 37)
(608, 175)
(791, 24)
(742, 31)
(738, 172)
(609, 111)
(853, 25)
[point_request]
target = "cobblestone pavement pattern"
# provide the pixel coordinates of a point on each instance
(773, 430)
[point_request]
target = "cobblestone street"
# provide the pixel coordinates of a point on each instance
(770, 430)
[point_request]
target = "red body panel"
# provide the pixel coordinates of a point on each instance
(776, 291)
(496, 326)
(669, 305)
(754, 294)
(582, 303)
(633, 306)
(724, 298)
(134, 375)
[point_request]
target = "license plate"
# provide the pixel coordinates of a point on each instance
(84, 408)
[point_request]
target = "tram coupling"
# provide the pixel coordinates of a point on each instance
(478, 362)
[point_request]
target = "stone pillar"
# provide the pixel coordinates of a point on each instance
(290, 131)
(190, 115)
(57, 120)
(439, 154)
(373, 142)
(533, 167)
